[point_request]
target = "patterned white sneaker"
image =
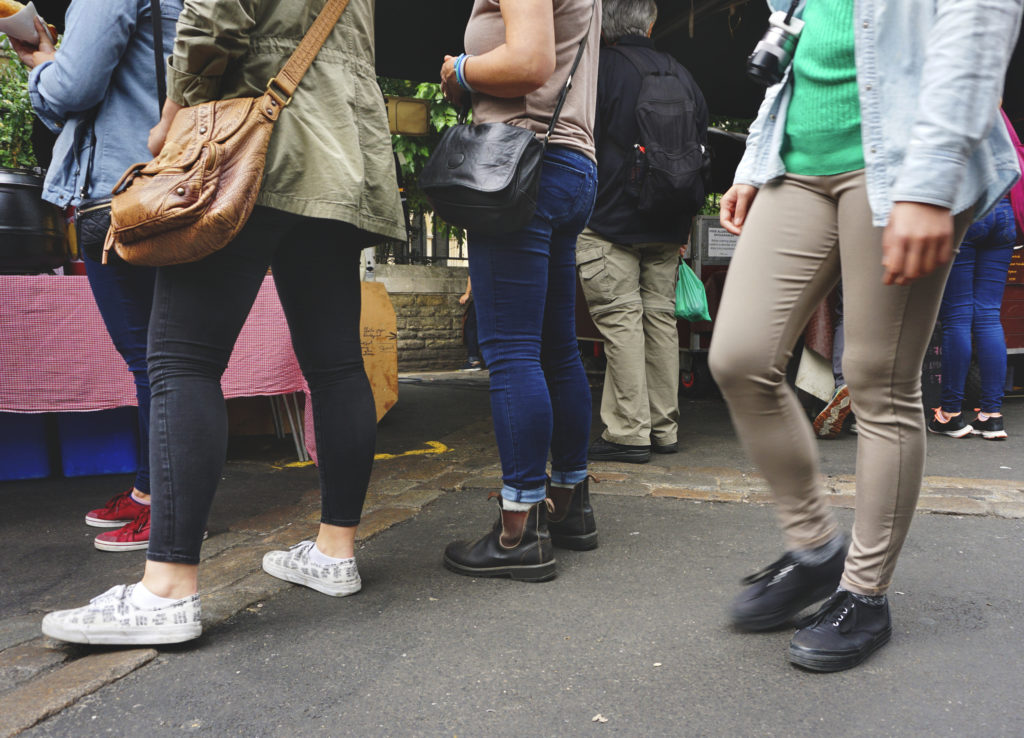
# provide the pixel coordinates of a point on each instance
(294, 565)
(113, 620)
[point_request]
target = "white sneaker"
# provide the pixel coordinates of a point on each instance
(294, 565)
(113, 620)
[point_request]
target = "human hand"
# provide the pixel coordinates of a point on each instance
(158, 133)
(734, 207)
(682, 250)
(32, 56)
(450, 87)
(464, 298)
(918, 238)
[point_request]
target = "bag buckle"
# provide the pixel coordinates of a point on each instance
(282, 100)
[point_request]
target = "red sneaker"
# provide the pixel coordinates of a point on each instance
(132, 537)
(119, 510)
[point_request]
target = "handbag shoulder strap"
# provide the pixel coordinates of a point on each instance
(572, 72)
(158, 53)
(298, 63)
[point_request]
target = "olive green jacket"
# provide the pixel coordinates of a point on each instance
(330, 155)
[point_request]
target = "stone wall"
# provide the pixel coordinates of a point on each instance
(429, 317)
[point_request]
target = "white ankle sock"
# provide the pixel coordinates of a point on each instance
(319, 557)
(141, 502)
(146, 600)
(516, 506)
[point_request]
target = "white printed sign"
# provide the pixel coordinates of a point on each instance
(721, 243)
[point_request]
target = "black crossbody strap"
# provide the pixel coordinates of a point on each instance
(158, 52)
(572, 72)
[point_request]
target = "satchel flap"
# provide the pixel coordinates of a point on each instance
(195, 126)
(481, 157)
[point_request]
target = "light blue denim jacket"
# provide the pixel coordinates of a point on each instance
(930, 74)
(101, 88)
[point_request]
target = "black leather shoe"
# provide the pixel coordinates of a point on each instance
(665, 448)
(602, 450)
(781, 590)
(518, 546)
(843, 633)
(571, 520)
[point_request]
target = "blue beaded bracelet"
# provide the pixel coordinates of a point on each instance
(460, 73)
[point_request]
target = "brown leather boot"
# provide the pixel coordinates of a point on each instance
(518, 546)
(571, 520)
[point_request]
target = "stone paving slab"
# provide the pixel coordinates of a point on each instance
(49, 694)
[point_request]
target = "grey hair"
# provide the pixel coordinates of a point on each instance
(627, 18)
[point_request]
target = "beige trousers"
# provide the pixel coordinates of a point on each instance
(630, 292)
(801, 234)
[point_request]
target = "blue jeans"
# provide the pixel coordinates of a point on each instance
(524, 287)
(971, 303)
(124, 295)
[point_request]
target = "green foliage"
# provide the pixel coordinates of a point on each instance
(15, 112)
(413, 151)
(733, 125)
(712, 202)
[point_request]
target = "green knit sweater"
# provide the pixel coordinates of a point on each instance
(823, 120)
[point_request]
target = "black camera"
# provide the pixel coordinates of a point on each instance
(774, 52)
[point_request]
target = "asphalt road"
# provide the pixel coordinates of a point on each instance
(633, 631)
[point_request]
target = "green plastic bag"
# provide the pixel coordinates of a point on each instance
(691, 300)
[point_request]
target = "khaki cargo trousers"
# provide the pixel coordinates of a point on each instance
(801, 233)
(630, 293)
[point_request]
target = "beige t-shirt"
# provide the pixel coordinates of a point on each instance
(575, 127)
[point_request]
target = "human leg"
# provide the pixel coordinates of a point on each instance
(956, 313)
(318, 282)
(571, 519)
(521, 341)
(659, 271)
(887, 333)
(992, 261)
(785, 263)
(198, 311)
(124, 296)
(610, 278)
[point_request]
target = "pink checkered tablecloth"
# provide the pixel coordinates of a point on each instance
(55, 354)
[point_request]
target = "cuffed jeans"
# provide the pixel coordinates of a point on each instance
(198, 312)
(971, 304)
(524, 289)
(800, 234)
(124, 295)
(631, 295)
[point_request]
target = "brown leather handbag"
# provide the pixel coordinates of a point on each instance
(199, 191)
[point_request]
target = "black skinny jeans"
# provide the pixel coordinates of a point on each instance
(198, 312)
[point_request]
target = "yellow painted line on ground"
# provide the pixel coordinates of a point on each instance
(434, 447)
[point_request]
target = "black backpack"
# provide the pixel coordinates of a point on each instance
(670, 158)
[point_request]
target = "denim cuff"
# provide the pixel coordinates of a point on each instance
(568, 478)
(529, 496)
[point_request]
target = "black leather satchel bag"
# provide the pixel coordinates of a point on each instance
(485, 178)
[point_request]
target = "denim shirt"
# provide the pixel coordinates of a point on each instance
(930, 74)
(100, 89)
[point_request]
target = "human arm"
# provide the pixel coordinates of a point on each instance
(918, 238)
(32, 56)
(967, 51)
(965, 55)
(517, 67)
(734, 206)
(75, 78)
(209, 35)
(464, 298)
